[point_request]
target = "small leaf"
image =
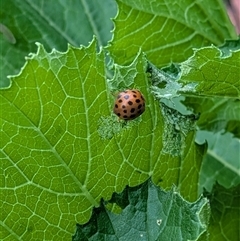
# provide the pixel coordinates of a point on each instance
(221, 162)
(148, 213)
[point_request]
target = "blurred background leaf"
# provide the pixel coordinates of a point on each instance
(55, 24)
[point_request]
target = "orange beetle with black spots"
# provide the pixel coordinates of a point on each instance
(129, 104)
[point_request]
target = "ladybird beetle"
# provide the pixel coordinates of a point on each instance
(129, 104)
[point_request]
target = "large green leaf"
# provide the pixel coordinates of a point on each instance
(62, 149)
(148, 213)
(52, 23)
(168, 30)
(57, 163)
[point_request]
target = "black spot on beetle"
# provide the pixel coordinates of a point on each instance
(132, 110)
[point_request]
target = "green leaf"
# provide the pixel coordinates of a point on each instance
(56, 162)
(52, 23)
(62, 149)
(224, 222)
(168, 30)
(148, 213)
(214, 74)
(221, 163)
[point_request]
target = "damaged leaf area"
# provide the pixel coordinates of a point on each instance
(209, 72)
(176, 128)
(165, 82)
